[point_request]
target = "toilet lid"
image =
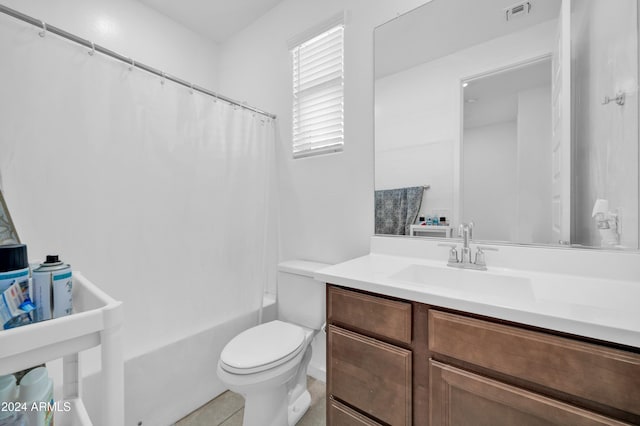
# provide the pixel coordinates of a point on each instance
(260, 347)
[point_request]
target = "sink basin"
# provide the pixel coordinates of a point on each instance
(473, 283)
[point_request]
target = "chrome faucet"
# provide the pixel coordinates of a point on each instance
(465, 231)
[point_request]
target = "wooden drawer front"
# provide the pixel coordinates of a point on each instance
(341, 415)
(592, 372)
(462, 398)
(371, 375)
(382, 317)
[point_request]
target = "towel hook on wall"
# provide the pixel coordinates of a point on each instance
(44, 29)
(618, 99)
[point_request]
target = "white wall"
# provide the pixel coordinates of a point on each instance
(422, 105)
(606, 157)
(490, 195)
(534, 167)
(132, 29)
(420, 164)
(414, 135)
(326, 209)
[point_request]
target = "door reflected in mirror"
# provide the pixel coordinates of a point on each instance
(504, 117)
(506, 153)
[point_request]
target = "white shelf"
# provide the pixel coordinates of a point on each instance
(97, 321)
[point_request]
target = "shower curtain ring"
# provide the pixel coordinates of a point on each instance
(44, 29)
(93, 49)
(191, 90)
(133, 64)
(164, 76)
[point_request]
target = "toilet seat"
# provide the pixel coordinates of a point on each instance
(262, 347)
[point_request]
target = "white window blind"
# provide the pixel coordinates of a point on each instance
(318, 93)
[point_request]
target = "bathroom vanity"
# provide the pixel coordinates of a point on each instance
(402, 350)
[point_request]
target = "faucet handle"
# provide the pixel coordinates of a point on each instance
(453, 252)
(480, 261)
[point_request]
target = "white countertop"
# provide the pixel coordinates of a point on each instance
(596, 307)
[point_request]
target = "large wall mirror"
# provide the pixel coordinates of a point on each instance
(519, 117)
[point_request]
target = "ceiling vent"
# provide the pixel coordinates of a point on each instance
(518, 10)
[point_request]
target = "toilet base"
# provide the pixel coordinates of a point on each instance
(299, 407)
(269, 409)
(266, 408)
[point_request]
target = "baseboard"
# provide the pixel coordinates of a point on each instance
(317, 373)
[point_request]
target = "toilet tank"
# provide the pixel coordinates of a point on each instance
(301, 299)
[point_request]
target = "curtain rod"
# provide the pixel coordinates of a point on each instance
(130, 61)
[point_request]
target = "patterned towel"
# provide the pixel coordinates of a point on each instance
(397, 209)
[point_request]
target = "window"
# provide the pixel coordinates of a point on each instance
(318, 92)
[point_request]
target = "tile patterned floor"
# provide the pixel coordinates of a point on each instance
(227, 409)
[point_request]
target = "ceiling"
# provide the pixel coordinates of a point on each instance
(441, 27)
(216, 20)
(494, 98)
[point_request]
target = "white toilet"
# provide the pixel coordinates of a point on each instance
(267, 364)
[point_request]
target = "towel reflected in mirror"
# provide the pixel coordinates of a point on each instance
(397, 209)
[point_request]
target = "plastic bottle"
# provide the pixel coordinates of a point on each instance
(36, 391)
(14, 270)
(52, 288)
(14, 265)
(10, 415)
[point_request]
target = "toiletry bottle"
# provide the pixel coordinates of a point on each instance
(36, 391)
(14, 266)
(10, 412)
(52, 289)
(14, 271)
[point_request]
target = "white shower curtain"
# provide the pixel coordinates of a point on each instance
(162, 197)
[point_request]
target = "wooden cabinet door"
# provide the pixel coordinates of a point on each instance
(371, 375)
(341, 415)
(595, 373)
(461, 398)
